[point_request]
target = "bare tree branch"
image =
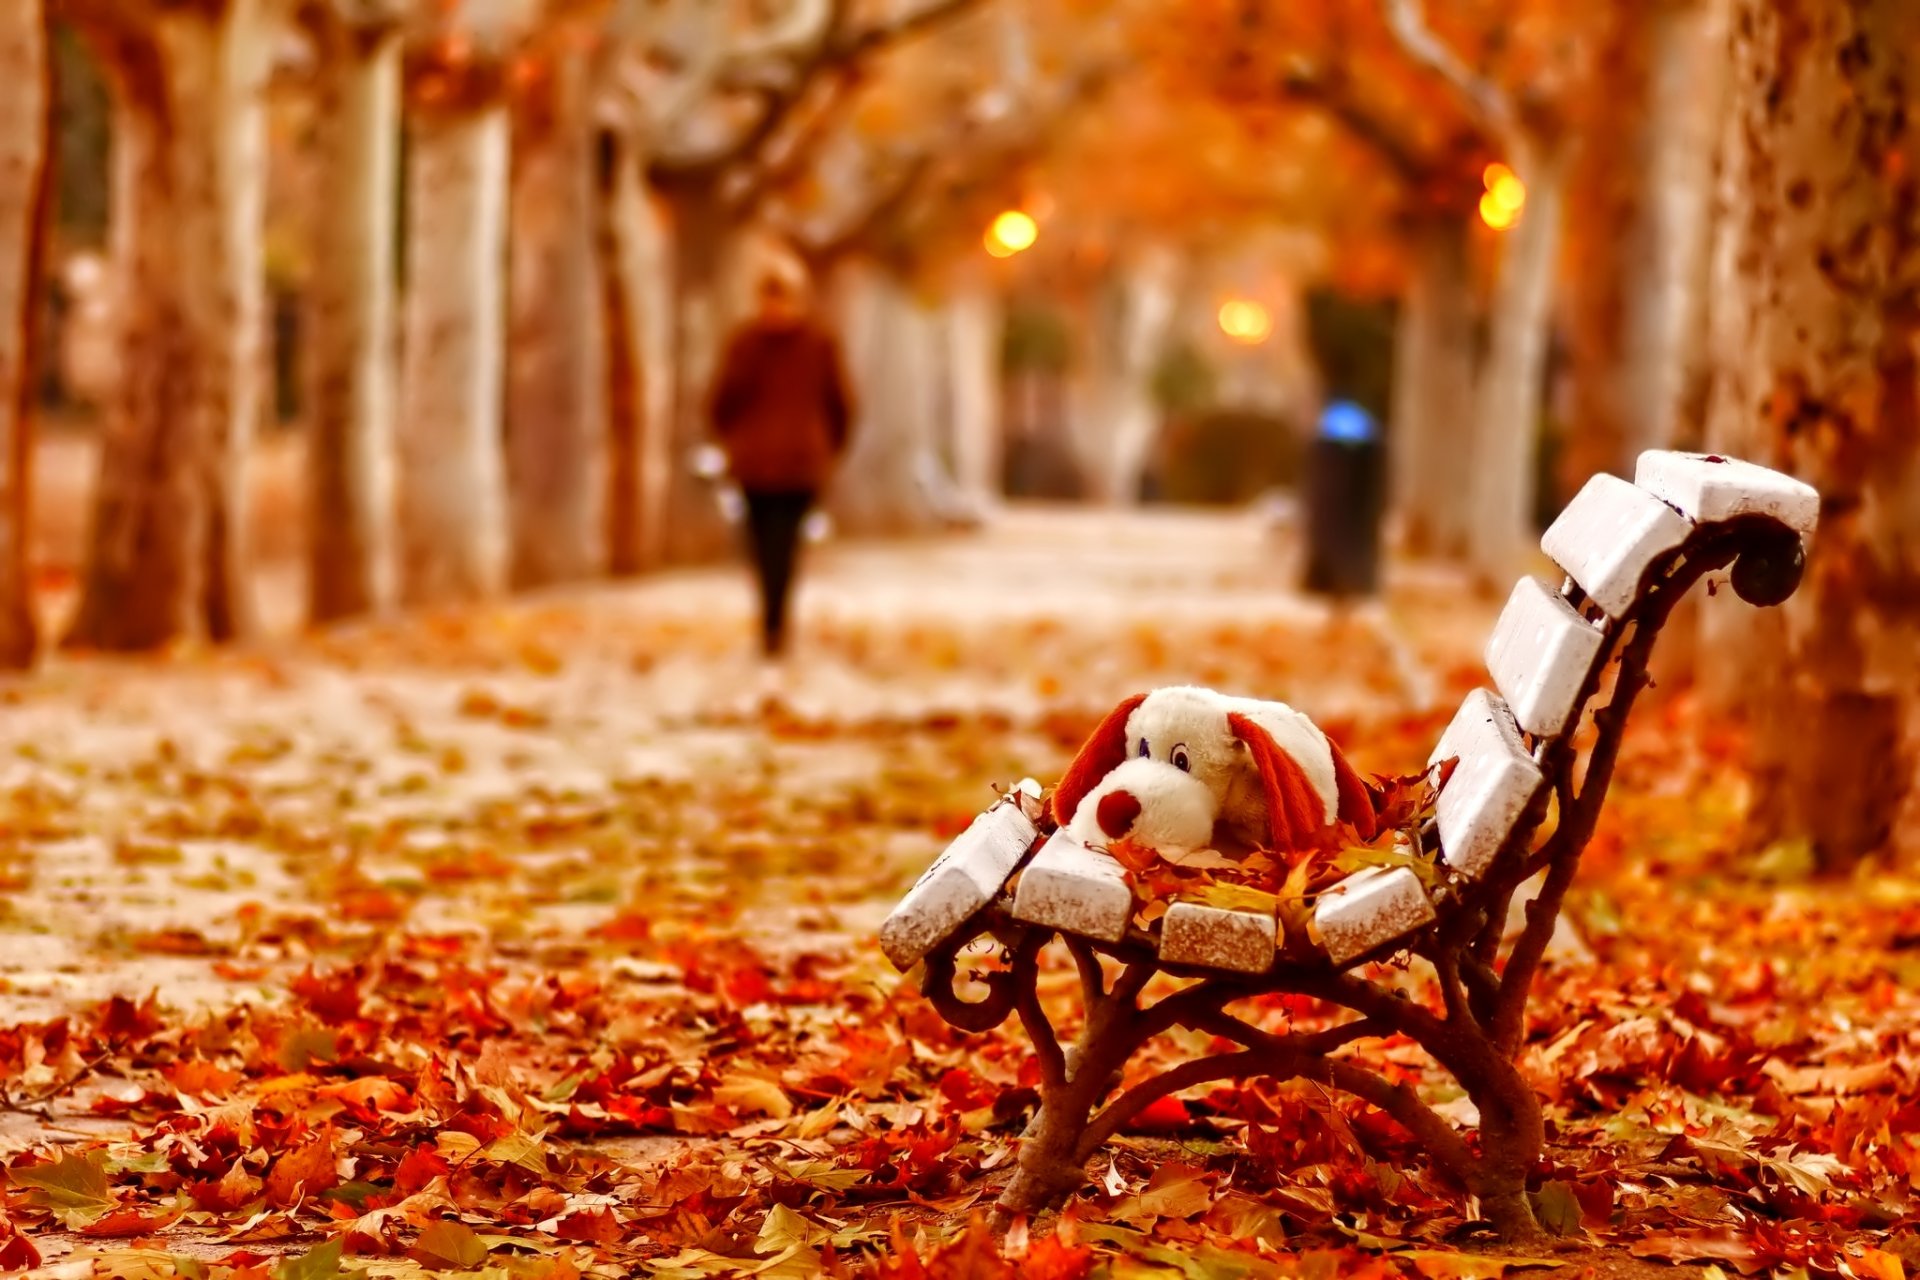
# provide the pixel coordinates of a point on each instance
(925, 183)
(898, 192)
(858, 44)
(787, 152)
(781, 86)
(1492, 108)
(1334, 96)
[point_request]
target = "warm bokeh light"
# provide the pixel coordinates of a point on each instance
(1245, 320)
(1495, 214)
(1505, 197)
(1011, 232)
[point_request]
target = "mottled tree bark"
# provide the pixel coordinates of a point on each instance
(1431, 441)
(169, 533)
(452, 495)
(1815, 371)
(555, 441)
(25, 136)
(625, 364)
(216, 59)
(351, 361)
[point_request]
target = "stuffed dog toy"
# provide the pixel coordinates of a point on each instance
(1183, 768)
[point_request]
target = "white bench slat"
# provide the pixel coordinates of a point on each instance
(1075, 889)
(1218, 938)
(961, 880)
(1540, 654)
(1709, 488)
(1369, 909)
(1491, 786)
(1607, 537)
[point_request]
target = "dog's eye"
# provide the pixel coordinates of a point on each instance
(1180, 760)
(1145, 749)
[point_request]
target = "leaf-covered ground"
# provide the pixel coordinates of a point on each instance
(531, 941)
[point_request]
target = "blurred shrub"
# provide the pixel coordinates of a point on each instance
(1225, 456)
(1036, 339)
(1183, 382)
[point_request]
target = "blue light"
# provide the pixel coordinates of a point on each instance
(1347, 422)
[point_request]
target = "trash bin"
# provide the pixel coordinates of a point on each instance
(1345, 500)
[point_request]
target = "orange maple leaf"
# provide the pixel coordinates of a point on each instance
(307, 1169)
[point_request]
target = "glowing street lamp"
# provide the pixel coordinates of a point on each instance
(1505, 197)
(1245, 321)
(1011, 232)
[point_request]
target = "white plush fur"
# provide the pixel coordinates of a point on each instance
(1189, 723)
(1196, 718)
(1177, 810)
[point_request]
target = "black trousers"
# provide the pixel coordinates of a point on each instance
(773, 537)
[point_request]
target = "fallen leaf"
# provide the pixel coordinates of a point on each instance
(74, 1187)
(304, 1171)
(1441, 1264)
(452, 1243)
(319, 1263)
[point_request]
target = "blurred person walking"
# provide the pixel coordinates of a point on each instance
(782, 411)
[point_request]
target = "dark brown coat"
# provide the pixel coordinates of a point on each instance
(781, 406)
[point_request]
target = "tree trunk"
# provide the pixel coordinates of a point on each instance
(1816, 373)
(1690, 83)
(25, 136)
(1431, 442)
(647, 258)
(1505, 460)
(694, 530)
(350, 334)
(555, 442)
(617, 240)
(452, 500)
(886, 485)
(1123, 394)
(973, 345)
(1609, 244)
(1666, 316)
(1639, 217)
(146, 552)
(1512, 1139)
(216, 64)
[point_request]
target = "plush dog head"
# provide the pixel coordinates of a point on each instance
(1265, 772)
(1150, 802)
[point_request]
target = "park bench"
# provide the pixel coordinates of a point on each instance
(1515, 809)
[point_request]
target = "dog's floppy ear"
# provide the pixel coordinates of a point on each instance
(1295, 814)
(1101, 755)
(1357, 807)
